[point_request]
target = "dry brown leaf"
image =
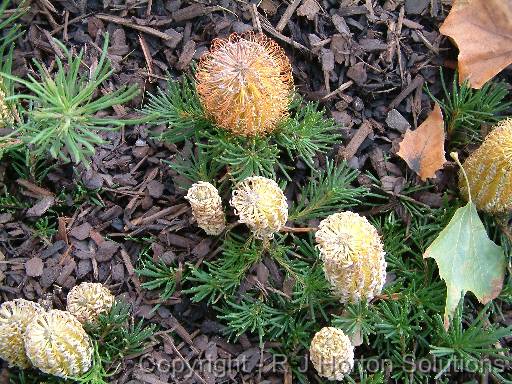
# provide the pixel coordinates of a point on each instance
(423, 148)
(482, 30)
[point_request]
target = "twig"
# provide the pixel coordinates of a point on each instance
(415, 83)
(175, 210)
(72, 21)
(362, 133)
(185, 361)
(129, 24)
(287, 15)
(298, 230)
(341, 88)
(255, 17)
(147, 54)
(271, 30)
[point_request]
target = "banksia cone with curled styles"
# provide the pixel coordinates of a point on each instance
(353, 256)
(245, 84)
(88, 300)
(6, 117)
(57, 344)
(14, 317)
(261, 205)
(332, 353)
(489, 171)
(207, 207)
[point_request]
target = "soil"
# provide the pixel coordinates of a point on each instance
(366, 62)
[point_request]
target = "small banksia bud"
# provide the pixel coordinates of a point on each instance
(6, 117)
(57, 344)
(332, 353)
(489, 171)
(14, 317)
(353, 256)
(88, 300)
(261, 205)
(207, 207)
(245, 84)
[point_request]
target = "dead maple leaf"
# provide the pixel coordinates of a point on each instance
(482, 30)
(423, 148)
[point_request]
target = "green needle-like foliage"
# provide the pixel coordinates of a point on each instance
(466, 109)
(253, 315)
(328, 191)
(357, 322)
(8, 30)
(158, 276)
(471, 344)
(307, 133)
(179, 108)
(62, 118)
(117, 335)
(222, 277)
(244, 157)
(197, 166)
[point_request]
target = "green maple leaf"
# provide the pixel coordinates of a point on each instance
(467, 259)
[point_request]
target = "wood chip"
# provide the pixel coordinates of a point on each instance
(34, 267)
(41, 207)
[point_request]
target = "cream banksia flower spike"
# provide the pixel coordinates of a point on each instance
(353, 256)
(261, 205)
(6, 117)
(207, 208)
(489, 171)
(15, 315)
(332, 353)
(88, 300)
(245, 84)
(57, 344)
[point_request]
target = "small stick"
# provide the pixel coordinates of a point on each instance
(341, 88)
(415, 83)
(287, 15)
(142, 28)
(147, 54)
(255, 18)
(362, 133)
(298, 230)
(278, 35)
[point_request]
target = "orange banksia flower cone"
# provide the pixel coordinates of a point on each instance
(245, 84)
(489, 171)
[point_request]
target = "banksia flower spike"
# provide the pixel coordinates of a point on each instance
(245, 84)
(489, 171)
(88, 300)
(6, 117)
(14, 317)
(261, 205)
(207, 207)
(353, 256)
(57, 344)
(332, 353)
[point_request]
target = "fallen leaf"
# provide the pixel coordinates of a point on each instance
(482, 30)
(423, 148)
(467, 259)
